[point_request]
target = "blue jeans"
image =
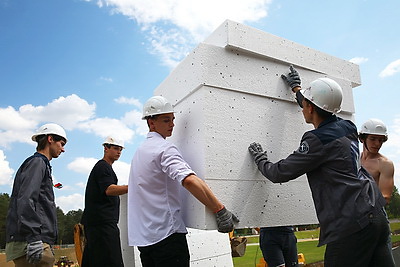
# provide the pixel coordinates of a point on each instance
(279, 246)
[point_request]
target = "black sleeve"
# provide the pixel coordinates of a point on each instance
(105, 177)
(307, 157)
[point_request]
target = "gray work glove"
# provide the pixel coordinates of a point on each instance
(257, 152)
(34, 252)
(293, 78)
(226, 220)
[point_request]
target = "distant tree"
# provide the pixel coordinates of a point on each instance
(4, 202)
(60, 225)
(71, 218)
(393, 208)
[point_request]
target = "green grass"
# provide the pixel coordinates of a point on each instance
(307, 234)
(395, 238)
(253, 254)
(251, 257)
(395, 226)
(311, 252)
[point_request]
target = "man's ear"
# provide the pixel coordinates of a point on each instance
(151, 124)
(309, 107)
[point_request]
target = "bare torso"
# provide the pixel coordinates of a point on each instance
(381, 169)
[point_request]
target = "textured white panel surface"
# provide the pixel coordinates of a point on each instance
(129, 255)
(209, 248)
(227, 94)
(234, 70)
(242, 37)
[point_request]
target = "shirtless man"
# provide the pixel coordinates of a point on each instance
(373, 134)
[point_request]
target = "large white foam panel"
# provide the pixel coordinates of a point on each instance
(228, 93)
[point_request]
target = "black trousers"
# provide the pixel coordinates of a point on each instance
(103, 247)
(279, 248)
(369, 247)
(172, 251)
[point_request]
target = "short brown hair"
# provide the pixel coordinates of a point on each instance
(42, 140)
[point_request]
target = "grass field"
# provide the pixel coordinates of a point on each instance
(253, 254)
(309, 248)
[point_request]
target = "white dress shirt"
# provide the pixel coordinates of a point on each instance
(155, 179)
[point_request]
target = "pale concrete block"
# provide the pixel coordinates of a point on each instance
(227, 94)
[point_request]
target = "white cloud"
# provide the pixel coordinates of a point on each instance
(82, 165)
(104, 127)
(71, 112)
(358, 60)
(130, 101)
(122, 170)
(173, 27)
(71, 202)
(11, 135)
(19, 125)
(107, 79)
(134, 120)
(85, 165)
(391, 69)
(81, 185)
(6, 172)
(12, 119)
(14, 127)
(67, 111)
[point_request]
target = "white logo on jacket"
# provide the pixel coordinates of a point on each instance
(303, 148)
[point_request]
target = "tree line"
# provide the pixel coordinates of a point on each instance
(66, 222)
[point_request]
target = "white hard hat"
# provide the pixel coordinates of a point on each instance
(325, 93)
(50, 128)
(156, 105)
(113, 141)
(374, 126)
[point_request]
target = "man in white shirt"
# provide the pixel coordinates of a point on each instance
(155, 223)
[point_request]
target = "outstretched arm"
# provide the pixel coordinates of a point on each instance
(200, 190)
(116, 190)
(225, 219)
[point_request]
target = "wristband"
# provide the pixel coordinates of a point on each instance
(219, 209)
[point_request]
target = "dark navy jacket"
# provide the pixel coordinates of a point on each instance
(329, 156)
(32, 214)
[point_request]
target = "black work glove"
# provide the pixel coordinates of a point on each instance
(293, 78)
(226, 220)
(34, 252)
(257, 152)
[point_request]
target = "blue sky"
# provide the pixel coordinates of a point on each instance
(90, 66)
